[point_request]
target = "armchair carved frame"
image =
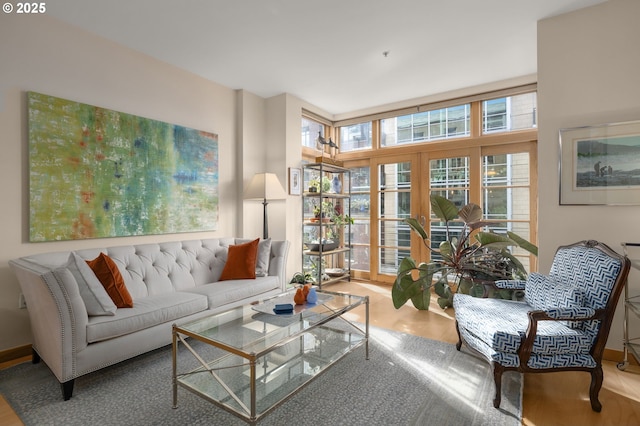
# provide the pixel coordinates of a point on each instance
(562, 325)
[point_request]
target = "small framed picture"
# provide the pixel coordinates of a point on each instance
(600, 164)
(295, 181)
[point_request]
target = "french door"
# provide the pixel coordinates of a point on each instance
(499, 179)
(395, 196)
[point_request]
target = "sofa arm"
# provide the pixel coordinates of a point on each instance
(57, 314)
(278, 261)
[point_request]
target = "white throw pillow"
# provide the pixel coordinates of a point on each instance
(95, 297)
(263, 258)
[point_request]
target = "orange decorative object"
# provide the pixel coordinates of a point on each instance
(305, 290)
(300, 298)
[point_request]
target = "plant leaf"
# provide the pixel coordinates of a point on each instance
(441, 287)
(443, 208)
(477, 225)
(506, 294)
(445, 302)
(520, 269)
(403, 290)
(417, 227)
(464, 286)
(446, 251)
(405, 287)
(477, 291)
(470, 213)
(406, 266)
(426, 274)
(421, 300)
(531, 248)
(495, 240)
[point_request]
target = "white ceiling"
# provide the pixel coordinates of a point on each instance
(329, 53)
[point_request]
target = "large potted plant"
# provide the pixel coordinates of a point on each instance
(467, 262)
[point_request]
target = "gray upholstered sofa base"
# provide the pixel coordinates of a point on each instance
(173, 282)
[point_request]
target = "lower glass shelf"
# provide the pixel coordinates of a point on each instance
(227, 380)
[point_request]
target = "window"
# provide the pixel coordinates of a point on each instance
(511, 113)
(355, 137)
(394, 200)
(479, 150)
(310, 131)
(506, 196)
(452, 122)
(361, 215)
(449, 178)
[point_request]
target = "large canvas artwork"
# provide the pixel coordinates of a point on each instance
(98, 173)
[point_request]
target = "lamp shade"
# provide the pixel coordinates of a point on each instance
(264, 186)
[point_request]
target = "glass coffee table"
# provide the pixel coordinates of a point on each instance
(252, 359)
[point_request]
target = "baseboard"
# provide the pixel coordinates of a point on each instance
(15, 353)
(617, 356)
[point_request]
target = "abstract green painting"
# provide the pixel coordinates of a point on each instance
(96, 173)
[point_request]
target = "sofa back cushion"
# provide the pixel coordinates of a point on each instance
(151, 269)
(159, 268)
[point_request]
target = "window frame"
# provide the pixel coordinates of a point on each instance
(478, 143)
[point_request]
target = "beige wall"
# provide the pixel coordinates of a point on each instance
(251, 158)
(588, 74)
(255, 135)
(41, 54)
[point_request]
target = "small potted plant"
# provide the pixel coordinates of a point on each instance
(314, 184)
(302, 278)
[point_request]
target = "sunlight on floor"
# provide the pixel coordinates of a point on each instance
(462, 389)
(547, 397)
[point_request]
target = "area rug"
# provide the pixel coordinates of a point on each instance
(407, 380)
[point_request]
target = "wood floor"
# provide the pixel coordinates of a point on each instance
(7, 416)
(549, 399)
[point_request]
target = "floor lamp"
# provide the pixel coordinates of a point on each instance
(265, 187)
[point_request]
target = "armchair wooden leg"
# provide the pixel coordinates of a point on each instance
(594, 390)
(497, 378)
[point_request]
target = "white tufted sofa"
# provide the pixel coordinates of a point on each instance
(172, 282)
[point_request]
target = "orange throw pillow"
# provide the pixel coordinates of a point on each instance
(241, 261)
(108, 274)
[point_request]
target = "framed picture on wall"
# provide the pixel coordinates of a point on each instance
(600, 164)
(295, 181)
(99, 173)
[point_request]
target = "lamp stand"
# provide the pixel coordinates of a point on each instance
(265, 221)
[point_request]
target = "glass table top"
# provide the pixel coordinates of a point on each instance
(254, 329)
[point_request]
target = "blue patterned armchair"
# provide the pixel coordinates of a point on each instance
(563, 323)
